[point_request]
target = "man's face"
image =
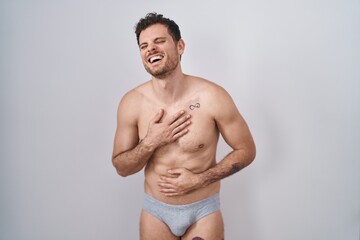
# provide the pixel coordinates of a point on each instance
(159, 53)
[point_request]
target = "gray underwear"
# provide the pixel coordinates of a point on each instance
(180, 217)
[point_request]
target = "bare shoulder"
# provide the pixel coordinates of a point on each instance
(217, 100)
(209, 90)
(135, 95)
(205, 84)
(130, 102)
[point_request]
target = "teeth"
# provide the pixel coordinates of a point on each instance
(156, 58)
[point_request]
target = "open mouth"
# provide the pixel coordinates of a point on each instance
(155, 59)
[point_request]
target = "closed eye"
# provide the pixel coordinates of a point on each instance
(160, 40)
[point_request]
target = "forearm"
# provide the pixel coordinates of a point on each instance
(232, 163)
(132, 161)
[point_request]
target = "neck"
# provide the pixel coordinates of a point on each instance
(171, 88)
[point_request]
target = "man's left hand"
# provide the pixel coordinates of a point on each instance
(179, 182)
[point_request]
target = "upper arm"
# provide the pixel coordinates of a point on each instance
(230, 123)
(126, 135)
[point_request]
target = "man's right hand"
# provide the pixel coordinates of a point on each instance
(161, 133)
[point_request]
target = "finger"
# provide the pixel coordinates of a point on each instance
(168, 191)
(174, 194)
(176, 171)
(180, 134)
(181, 122)
(169, 180)
(158, 116)
(178, 126)
(165, 185)
(176, 116)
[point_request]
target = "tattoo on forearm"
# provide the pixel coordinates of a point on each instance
(235, 168)
(213, 176)
(192, 107)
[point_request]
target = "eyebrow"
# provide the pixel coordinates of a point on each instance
(159, 38)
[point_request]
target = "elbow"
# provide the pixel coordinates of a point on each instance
(120, 171)
(252, 157)
(250, 154)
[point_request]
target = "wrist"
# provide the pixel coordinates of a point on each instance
(147, 144)
(208, 177)
(202, 180)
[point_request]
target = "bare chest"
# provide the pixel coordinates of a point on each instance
(203, 133)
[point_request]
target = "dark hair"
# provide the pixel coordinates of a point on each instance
(154, 18)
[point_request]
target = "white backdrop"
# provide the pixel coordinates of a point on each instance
(292, 67)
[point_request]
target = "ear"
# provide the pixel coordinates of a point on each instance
(181, 46)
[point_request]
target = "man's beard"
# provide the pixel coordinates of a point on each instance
(164, 71)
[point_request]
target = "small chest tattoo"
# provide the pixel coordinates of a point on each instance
(193, 106)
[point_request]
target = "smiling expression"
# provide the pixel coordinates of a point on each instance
(160, 54)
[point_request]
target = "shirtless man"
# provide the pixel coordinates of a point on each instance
(170, 125)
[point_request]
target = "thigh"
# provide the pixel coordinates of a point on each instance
(210, 227)
(151, 228)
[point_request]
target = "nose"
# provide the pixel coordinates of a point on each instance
(151, 47)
